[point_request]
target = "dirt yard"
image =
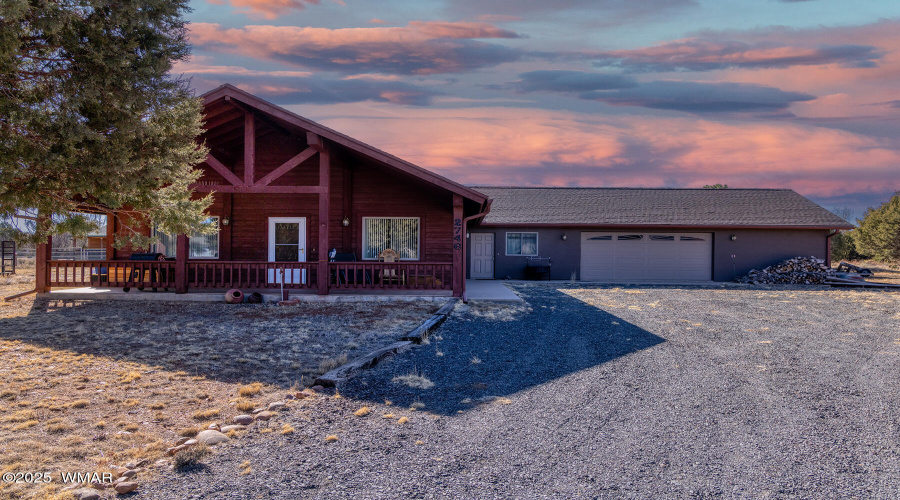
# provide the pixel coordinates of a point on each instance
(86, 386)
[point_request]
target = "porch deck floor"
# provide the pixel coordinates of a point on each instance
(269, 295)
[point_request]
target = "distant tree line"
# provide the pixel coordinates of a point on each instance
(877, 235)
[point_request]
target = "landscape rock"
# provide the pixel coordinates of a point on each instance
(796, 271)
(129, 473)
(264, 415)
(85, 494)
(182, 441)
(125, 487)
(242, 420)
(214, 426)
(175, 449)
(308, 392)
(211, 437)
(276, 405)
(161, 463)
(235, 427)
(289, 396)
(318, 388)
(190, 442)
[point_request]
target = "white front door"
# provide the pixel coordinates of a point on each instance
(287, 243)
(482, 256)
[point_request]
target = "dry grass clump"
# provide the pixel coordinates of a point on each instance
(245, 406)
(331, 438)
(189, 432)
(206, 414)
(362, 412)
(130, 377)
(251, 390)
(326, 365)
(413, 379)
(80, 403)
(286, 429)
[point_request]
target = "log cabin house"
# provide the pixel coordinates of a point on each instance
(299, 207)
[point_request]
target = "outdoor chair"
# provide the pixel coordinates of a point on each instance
(391, 275)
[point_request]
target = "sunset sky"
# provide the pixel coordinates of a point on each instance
(675, 93)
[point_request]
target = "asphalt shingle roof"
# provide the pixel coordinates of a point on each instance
(655, 207)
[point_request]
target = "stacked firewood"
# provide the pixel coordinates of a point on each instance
(796, 271)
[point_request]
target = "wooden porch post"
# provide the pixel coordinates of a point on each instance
(323, 279)
(459, 237)
(181, 256)
(42, 253)
(110, 235)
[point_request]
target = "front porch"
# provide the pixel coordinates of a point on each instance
(269, 278)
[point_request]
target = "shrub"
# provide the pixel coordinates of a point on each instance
(843, 247)
(878, 234)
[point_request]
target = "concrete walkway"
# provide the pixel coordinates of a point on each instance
(489, 290)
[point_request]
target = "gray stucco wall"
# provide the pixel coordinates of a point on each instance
(756, 249)
(753, 249)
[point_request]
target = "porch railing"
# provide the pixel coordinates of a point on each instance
(391, 275)
(423, 276)
(245, 274)
(111, 273)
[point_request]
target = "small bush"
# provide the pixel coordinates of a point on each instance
(81, 403)
(190, 456)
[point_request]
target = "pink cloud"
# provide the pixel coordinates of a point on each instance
(418, 48)
(266, 9)
(508, 146)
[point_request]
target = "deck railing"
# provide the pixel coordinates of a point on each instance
(391, 275)
(111, 273)
(246, 274)
(422, 276)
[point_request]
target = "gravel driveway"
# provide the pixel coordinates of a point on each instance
(604, 392)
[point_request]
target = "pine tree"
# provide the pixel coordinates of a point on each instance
(90, 119)
(878, 234)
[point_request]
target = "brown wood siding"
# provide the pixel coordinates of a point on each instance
(377, 193)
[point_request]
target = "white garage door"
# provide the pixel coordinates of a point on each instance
(646, 256)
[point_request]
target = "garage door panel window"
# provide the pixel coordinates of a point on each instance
(692, 238)
(660, 237)
(630, 237)
(521, 244)
(397, 233)
(601, 238)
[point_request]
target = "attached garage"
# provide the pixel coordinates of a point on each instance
(628, 235)
(656, 256)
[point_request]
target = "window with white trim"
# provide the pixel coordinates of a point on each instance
(202, 246)
(400, 234)
(521, 244)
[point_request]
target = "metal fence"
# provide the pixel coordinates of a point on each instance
(67, 253)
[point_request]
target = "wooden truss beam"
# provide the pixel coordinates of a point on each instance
(285, 167)
(224, 188)
(249, 148)
(223, 170)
